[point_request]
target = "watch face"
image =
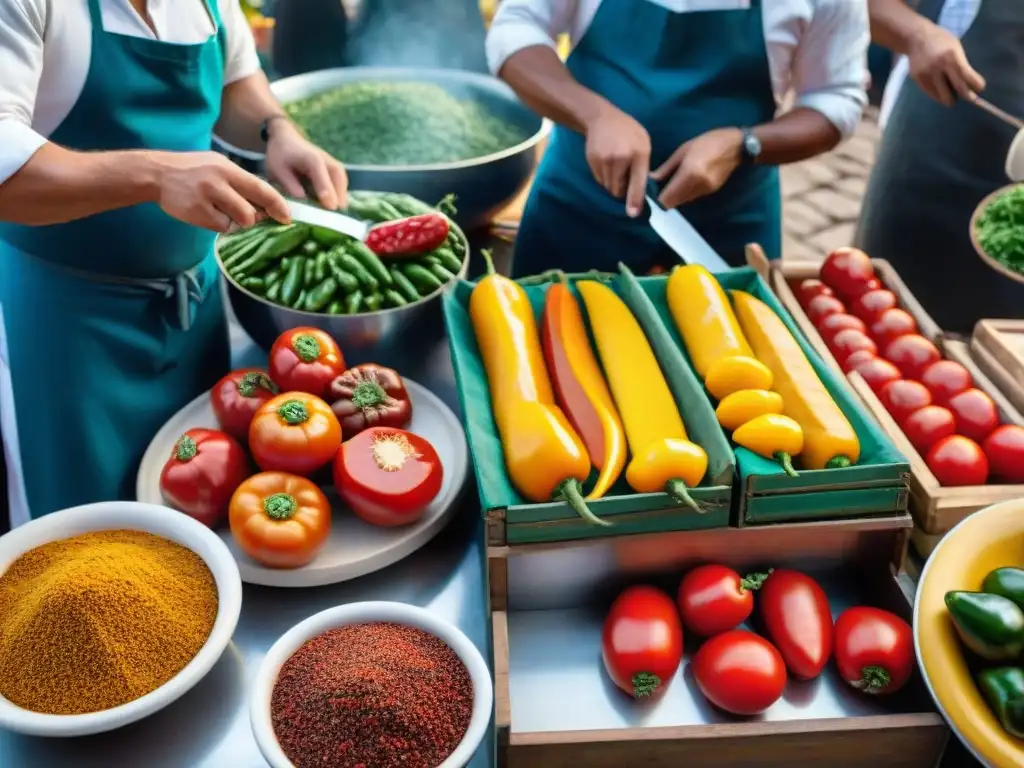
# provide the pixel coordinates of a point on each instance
(752, 145)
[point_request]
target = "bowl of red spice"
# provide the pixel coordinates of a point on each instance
(372, 684)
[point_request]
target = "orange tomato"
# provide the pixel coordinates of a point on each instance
(294, 432)
(280, 520)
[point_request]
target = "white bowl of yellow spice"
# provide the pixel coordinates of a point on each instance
(108, 613)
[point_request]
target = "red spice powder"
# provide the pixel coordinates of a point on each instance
(376, 695)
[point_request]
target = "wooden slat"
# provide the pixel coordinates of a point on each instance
(986, 361)
(1004, 340)
(502, 700)
(497, 572)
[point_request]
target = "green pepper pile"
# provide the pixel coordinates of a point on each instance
(991, 624)
(380, 123)
(318, 270)
(1000, 229)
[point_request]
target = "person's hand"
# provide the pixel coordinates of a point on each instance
(940, 68)
(619, 156)
(291, 158)
(699, 167)
(209, 191)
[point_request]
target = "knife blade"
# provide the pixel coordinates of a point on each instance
(338, 222)
(681, 237)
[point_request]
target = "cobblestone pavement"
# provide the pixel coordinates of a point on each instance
(821, 197)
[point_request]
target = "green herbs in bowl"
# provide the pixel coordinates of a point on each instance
(997, 231)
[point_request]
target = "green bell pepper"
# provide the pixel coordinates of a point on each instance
(1008, 582)
(1003, 689)
(990, 625)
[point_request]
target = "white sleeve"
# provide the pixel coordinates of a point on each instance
(522, 24)
(240, 59)
(21, 60)
(829, 64)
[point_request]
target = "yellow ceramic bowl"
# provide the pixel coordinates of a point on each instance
(989, 539)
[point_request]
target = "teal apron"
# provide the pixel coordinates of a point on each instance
(114, 322)
(679, 75)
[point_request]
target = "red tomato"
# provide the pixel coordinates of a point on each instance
(945, 378)
(870, 306)
(739, 672)
(642, 641)
(237, 397)
(305, 360)
(976, 414)
(876, 372)
(901, 398)
(810, 288)
(857, 358)
(892, 324)
(713, 599)
(798, 620)
(870, 285)
(845, 343)
(874, 650)
(912, 354)
(846, 270)
(205, 468)
(1004, 449)
(821, 307)
(925, 427)
(830, 325)
(957, 460)
(388, 476)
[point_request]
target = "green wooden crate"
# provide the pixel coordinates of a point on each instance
(522, 522)
(877, 484)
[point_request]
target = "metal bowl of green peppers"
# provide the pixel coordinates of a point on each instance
(379, 309)
(426, 132)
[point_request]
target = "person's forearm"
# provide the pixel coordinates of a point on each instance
(894, 24)
(245, 105)
(542, 81)
(57, 185)
(796, 136)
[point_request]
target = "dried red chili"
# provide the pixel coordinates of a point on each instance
(369, 395)
(414, 235)
(377, 695)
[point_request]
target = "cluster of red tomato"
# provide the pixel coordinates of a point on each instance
(737, 670)
(294, 418)
(952, 423)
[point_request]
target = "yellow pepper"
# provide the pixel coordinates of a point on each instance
(544, 456)
(829, 440)
(773, 437)
(737, 409)
(704, 318)
(732, 374)
(663, 458)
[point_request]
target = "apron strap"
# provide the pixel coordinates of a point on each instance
(95, 15)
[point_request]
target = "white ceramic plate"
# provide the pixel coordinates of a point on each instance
(354, 548)
(160, 521)
(361, 613)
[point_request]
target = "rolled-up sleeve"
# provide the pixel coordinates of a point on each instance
(240, 59)
(829, 66)
(520, 24)
(21, 62)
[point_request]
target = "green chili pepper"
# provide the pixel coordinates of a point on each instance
(274, 248)
(442, 274)
(424, 280)
(449, 260)
(403, 286)
(362, 208)
(236, 256)
(327, 237)
(310, 248)
(320, 296)
(353, 302)
(990, 625)
(309, 273)
(254, 284)
(274, 292)
(336, 307)
(370, 261)
(352, 265)
(300, 302)
(372, 302)
(320, 267)
(393, 298)
(1003, 689)
(291, 285)
(1008, 582)
(273, 275)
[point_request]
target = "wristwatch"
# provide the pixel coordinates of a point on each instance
(751, 147)
(265, 126)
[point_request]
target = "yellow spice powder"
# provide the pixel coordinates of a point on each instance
(98, 620)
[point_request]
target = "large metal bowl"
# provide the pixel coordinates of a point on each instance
(483, 185)
(396, 338)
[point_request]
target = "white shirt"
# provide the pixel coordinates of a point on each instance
(957, 17)
(816, 48)
(45, 53)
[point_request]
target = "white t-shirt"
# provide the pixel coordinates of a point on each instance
(45, 53)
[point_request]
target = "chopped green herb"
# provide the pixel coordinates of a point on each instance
(1000, 229)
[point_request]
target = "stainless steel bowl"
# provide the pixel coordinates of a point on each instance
(396, 338)
(483, 185)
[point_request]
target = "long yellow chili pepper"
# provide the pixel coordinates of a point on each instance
(545, 457)
(737, 409)
(773, 437)
(829, 440)
(580, 386)
(663, 458)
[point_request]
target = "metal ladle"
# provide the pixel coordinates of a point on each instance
(1015, 156)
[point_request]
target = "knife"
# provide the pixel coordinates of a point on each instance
(338, 222)
(680, 235)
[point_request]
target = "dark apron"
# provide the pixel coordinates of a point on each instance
(935, 165)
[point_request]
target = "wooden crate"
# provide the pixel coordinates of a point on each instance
(998, 346)
(911, 734)
(935, 509)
